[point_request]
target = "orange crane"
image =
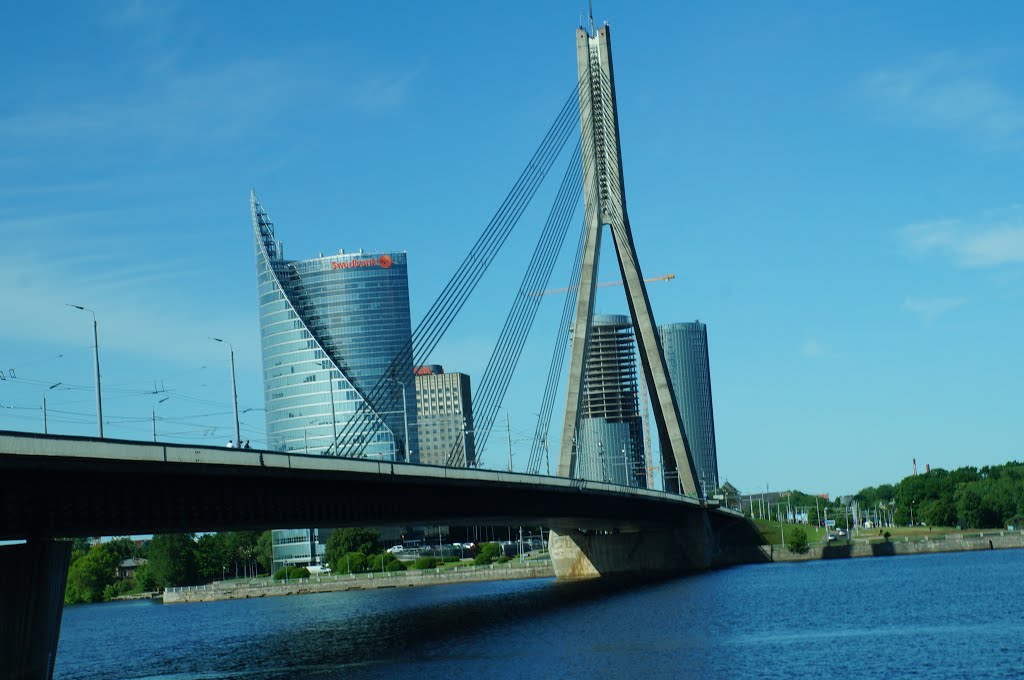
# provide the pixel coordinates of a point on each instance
(606, 284)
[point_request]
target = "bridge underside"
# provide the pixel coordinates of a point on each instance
(97, 488)
(57, 487)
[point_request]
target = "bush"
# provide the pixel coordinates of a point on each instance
(797, 541)
(291, 572)
(391, 563)
(350, 563)
(503, 559)
(487, 554)
(116, 589)
(425, 563)
(449, 560)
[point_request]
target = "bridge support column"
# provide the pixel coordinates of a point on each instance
(580, 554)
(32, 581)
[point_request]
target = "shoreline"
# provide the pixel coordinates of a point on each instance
(863, 547)
(219, 590)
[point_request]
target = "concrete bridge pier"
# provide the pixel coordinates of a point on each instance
(580, 554)
(32, 581)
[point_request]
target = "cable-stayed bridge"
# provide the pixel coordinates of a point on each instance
(52, 486)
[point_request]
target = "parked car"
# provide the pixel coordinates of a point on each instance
(396, 549)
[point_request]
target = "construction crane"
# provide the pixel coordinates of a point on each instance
(606, 284)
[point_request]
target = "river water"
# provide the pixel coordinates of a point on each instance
(952, 615)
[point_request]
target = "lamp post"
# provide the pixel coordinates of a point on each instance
(234, 391)
(405, 418)
(334, 417)
(46, 427)
(154, 416)
(96, 356)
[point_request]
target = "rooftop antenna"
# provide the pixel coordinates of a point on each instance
(591, 4)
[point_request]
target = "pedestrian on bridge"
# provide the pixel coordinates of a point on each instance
(231, 443)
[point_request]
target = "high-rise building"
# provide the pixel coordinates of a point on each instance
(609, 439)
(689, 371)
(444, 414)
(296, 547)
(333, 328)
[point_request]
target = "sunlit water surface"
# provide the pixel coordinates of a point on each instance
(954, 615)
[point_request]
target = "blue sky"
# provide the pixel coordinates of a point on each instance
(835, 187)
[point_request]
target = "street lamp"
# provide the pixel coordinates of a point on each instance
(234, 391)
(46, 428)
(154, 416)
(405, 417)
(96, 356)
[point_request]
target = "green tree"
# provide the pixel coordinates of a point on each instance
(350, 540)
(243, 548)
(144, 581)
(488, 553)
(91, 574)
(122, 547)
(172, 560)
(212, 557)
(796, 540)
(265, 550)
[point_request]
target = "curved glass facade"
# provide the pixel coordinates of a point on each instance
(331, 329)
(689, 372)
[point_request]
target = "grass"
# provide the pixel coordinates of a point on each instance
(773, 534)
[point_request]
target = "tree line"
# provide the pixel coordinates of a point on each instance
(171, 560)
(973, 498)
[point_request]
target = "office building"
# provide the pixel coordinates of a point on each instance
(444, 414)
(296, 548)
(609, 439)
(689, 372)
(333, 328)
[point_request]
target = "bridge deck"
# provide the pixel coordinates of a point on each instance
(58, 486)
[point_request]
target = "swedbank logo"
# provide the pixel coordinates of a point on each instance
(384, 262)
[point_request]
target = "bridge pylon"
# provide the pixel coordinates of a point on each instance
(605, 202)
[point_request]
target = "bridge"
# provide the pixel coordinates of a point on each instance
(58, 486)
(54, 487)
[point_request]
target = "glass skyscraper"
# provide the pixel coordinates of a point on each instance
(689, 372)
(609, 439)
(333, 328)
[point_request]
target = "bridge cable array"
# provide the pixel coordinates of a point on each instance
(539, 448)
(509, 348)
(361, 429)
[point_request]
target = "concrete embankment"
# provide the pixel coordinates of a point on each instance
(333, 583)
(901, 546)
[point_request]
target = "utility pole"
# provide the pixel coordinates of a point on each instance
(508, 428)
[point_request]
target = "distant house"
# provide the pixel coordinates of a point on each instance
(127, 567)
(729, 495)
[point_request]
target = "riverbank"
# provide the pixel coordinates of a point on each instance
(234, 590)
(874, 547)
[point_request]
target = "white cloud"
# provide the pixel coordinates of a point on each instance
(948, 92)
(930, 309)
(987, 242)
